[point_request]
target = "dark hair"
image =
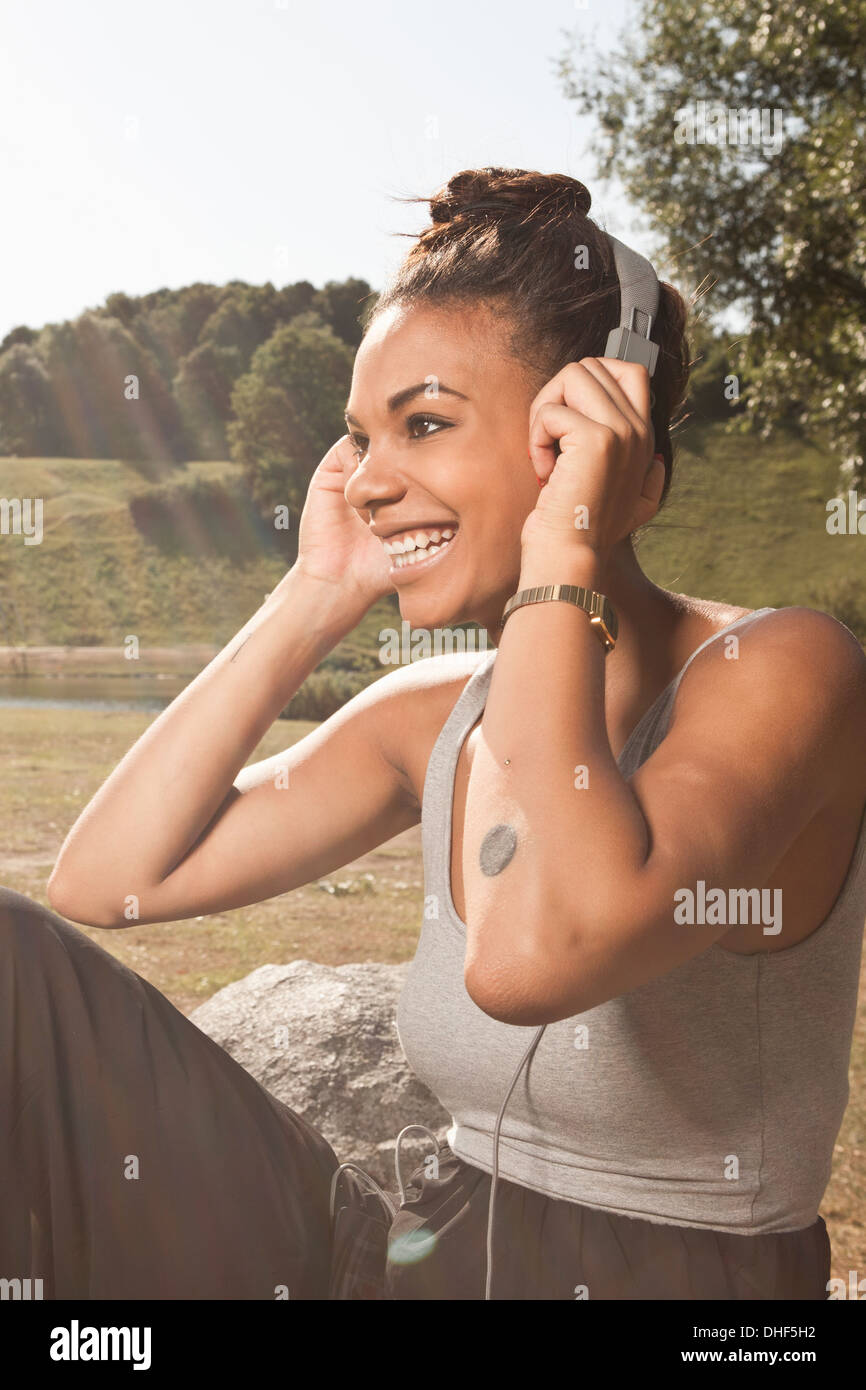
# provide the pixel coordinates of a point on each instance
(507, 238)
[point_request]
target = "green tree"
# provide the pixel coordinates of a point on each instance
(30, 424)
(244, 319)
(709, 398)
(770, 206)
(294, 299)
(203, 391)
(121, 306)
(21, 334)
(344, 304)
(289, 409)
(169, 326)
(109, 391)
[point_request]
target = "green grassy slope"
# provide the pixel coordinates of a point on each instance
(193, 574)
(745, 523)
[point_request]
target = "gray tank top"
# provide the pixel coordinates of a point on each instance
(709, 1097)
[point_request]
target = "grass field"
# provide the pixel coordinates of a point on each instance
(745, 524)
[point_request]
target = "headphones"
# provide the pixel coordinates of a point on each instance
(639, 294)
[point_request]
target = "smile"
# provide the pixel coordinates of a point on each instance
(419, 550)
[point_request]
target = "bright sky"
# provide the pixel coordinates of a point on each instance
(156, 145)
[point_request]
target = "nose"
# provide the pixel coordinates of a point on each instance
(373, 483)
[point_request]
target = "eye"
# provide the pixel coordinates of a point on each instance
(437, 424)
(425, 424)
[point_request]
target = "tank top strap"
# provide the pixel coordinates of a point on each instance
(652, 727)
(437, 796)
(722, 632)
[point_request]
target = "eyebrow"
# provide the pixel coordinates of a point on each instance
(407, 394)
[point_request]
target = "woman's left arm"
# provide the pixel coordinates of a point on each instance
(578, 899)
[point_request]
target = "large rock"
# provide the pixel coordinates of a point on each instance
(323, 1039)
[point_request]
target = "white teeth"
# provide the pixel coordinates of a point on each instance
(402, 561)
(421, 540)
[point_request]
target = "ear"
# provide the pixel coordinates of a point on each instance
(653, 486)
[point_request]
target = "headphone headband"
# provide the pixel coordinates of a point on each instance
(639, 294)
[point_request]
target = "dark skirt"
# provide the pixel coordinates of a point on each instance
(139, 1160)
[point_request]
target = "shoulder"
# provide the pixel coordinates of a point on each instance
(793, 674)
(411, 703)
(437, 676)
(793, 641)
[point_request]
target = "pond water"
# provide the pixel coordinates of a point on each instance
(147, 693)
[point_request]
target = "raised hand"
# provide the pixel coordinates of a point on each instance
(606, 481)
(334, 542)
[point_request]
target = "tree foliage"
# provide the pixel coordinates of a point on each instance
(288, 409)
(151, 377)
(344, 305)
(108, 391)
(773, 225)
(29, 424)
(203, 389)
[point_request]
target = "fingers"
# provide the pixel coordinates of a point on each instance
(629, 389)
(546, 427)
(344, 450)
(578, 388)
(340, 458)
(553, 423)
(612, 393)
(633, 378)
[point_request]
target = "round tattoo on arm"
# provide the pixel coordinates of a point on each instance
(497, 849)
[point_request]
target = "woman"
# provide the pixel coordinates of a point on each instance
(593, 817)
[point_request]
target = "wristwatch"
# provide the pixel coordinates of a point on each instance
(600, 609)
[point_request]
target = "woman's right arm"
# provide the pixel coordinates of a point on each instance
(178, 830)
(169, 834)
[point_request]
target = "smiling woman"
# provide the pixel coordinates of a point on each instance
(675, 1087)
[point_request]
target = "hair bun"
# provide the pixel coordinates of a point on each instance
(493, 194)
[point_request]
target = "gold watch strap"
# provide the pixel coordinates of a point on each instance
(600, 609)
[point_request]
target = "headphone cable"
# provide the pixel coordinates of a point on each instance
(491, 1206)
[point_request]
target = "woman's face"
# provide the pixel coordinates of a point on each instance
(439, 415)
